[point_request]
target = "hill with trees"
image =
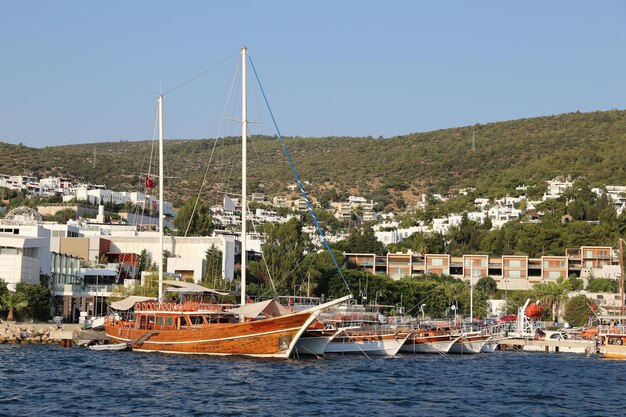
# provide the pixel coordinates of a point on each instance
(393, 171)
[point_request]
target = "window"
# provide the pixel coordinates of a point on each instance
(437, 262)
(554, 274)
(515, 274)
(515, 263)
(8, 251)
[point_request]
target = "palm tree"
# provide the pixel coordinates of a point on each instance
(553, 293)
(13, 302)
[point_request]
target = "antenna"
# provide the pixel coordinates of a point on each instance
(473, 141)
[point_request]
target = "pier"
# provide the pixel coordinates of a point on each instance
(549, 346)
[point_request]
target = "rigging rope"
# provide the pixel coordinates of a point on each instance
(297, 177)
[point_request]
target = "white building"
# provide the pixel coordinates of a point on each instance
(24, 247)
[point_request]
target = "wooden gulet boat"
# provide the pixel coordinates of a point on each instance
(256, 329)
(195, 328)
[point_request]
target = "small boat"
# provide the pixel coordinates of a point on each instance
(374, 340)
(430, 341)
(111, 347)
(611, 339)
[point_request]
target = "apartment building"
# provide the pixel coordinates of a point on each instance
(513, 272)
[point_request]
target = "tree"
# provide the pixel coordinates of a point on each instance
(487, 285)
(578, 310)
(145, 261)
(165, 255)
(213, 258)
(576, 283)
(284, 251)
(13, 303)
(62, 216)
(38, 300)
(194, 220)
(553, 293)
(364, 240)
(602, 285)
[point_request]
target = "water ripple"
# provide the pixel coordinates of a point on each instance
(48, 380)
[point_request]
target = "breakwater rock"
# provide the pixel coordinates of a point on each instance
(26, 334)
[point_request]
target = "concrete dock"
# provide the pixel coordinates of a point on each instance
(548, 346)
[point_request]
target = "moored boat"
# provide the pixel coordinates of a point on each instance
(315, 339)
(470, 343)
(256, 329)
(371, 340)
(611, 339)
(430, 341)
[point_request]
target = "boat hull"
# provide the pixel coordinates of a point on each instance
(469, 344)
(274, 337)
(313, 343)
(613, 352)
(373, 344)
(428, 344)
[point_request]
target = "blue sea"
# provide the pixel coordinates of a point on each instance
(47, 380)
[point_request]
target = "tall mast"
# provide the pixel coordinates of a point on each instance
(621, 272)
(160, 106)
(244, 190)
(472, 292)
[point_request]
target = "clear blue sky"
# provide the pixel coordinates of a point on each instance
(82, 72)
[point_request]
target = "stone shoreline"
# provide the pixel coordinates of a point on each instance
(33, 333)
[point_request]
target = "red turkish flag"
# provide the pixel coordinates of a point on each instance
(149, 182)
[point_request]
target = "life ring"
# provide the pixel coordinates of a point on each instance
(168, 306)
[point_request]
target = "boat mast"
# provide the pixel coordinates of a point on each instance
(472, 293)
(244, 208)
(621, 272)
(160, 260)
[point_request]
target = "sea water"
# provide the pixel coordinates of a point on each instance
(47, 380)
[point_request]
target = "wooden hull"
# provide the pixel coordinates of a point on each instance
(360, 342)
(417, 343)
(469, 344)
(272, 337)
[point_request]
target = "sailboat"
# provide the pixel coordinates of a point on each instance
(191, 327)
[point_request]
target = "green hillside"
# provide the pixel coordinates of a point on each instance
(507, 154)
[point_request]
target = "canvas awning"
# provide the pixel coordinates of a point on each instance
(269, 307)
(129, 302)
(189, 287)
